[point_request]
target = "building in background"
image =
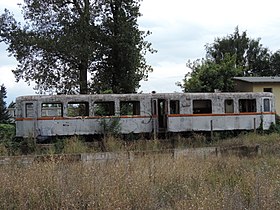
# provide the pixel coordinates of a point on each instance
(260, 84)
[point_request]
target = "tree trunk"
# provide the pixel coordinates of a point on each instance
(83, 79)
(85, 23)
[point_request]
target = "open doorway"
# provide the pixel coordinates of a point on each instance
(162, 114)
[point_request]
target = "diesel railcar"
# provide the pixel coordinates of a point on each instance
(43, 116)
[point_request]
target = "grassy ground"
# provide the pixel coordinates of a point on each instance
(150, 182)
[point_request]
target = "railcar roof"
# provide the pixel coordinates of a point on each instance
(148, 95)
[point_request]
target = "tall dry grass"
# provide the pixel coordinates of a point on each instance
(149, 182)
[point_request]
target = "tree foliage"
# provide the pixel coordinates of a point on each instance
(62, 41)
(251, 56)
(121, 63)
(275, 63)
(206, 75)
(4, 114)
(230, 56)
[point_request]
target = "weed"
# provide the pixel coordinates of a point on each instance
(74, 145)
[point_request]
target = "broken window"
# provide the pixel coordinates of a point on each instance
(174, 107)
(75, 109)
(51, 110)
(229, 106)
(266, 105)
(202, 106)
(247, 105)
(129, 108)
(29, 112)
(104, 108)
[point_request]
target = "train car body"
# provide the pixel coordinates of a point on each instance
(44, 116)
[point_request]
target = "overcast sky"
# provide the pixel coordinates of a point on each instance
(180, 29)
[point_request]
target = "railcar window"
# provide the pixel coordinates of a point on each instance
(106, 108)
(51, 110)
(130, 108)
(29, 112)
(174, 107)
(229, 106)
(202, 106)
(266, 105)
(247, 105)
(75, 109)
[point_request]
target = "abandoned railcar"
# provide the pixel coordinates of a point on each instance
(43, 116)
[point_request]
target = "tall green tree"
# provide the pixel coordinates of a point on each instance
(55, 46)
(4, 114)
(60, 42)
(275, 63)
(206, 75)
(251, 56)
(230, 56)
(121, 63)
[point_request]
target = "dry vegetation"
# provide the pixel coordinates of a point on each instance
(149, 182)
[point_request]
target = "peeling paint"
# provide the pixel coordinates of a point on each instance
(154, 116)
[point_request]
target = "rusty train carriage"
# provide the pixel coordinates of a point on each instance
(62, 115)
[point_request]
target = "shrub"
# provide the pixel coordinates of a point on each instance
(110, 126)
(7, 131)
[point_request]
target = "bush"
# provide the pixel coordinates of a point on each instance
(111, 126)
(7, 132)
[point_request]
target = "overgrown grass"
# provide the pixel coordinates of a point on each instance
(150, 182)
(269, 143)
(154, 181)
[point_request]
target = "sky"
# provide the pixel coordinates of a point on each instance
(180, 30)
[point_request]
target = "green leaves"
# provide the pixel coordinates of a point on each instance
(4, 114)
(251, 56)
(121, 63)
(230, 56)
(62, 42)
(206, 75)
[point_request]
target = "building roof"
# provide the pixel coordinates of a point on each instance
(258, 79)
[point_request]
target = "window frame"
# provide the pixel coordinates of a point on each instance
(76, 112)
(227, 105)
(208, 109)
(174, 106)
(111, 108)
(134, 105)
(249, 106)
(27, 110)
(60, 108)
(265, 106)
(268, 90)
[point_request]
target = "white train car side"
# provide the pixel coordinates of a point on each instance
(64, 115)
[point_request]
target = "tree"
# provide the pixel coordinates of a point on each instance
(61, 42)
(206, 75)
(121, 63)
(275, 63)
(251, 56)
(230, 56)
(4, 114)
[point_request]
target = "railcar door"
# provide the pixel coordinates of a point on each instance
(160, 116)
(29, 119)
(268, 112)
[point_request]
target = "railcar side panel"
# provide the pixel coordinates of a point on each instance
(219, 123)
(62, 115)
